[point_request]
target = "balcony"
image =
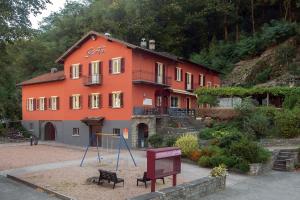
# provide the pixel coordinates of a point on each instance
(93, 80)
(143, 77)
(175, 112)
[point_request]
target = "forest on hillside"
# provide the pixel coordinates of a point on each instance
(217, 33)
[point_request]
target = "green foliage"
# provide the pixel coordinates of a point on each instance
(291, 101)
(204, 161)
(156, 140)
(212, 150)
(249, 151)
(170, 141)
(288, 122)
(208, 99)
(263, 76)
(227, 140)
(187, 143)
(221, 159)
(242, 165)
(222, 55)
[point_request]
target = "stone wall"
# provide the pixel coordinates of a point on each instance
(280, 142)
(217, 113)
(188, 191)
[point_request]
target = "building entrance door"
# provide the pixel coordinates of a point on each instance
(93, 137)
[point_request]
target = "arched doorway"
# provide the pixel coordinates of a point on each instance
(142, 135)
(49, 131)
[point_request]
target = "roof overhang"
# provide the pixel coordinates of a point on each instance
(182, 92)
(93, 121)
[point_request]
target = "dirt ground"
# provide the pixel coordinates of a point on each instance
(72, 181)
(16, 156)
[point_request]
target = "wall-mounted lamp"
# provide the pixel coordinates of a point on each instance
(93, 37)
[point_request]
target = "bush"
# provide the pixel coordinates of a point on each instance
(249, 151)
(211, 150)
(226, 141)
(204, 161)
(221, 159)
(156, 140)
(291, 101)
(195, 155)
(258, 123)
(170, 141)
(220, 170)
(242, 165)
(187, 143)
(288, 123)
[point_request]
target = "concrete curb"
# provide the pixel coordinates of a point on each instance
(50, 192)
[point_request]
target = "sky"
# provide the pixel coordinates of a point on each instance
(55, 6)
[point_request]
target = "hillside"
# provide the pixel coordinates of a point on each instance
(278, 65)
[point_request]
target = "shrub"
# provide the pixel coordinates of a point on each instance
(248, 150)
(187, 143)
(204, 161)
(221, 159)
(195, 155)
(226, 141)
(211, 150)
(258, 123)
(221, 133)
(170, 141)
(242, 165)
(291, 101)
(220, 170)
(288, 123)
(156, 140)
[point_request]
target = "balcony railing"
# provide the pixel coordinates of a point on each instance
(140, 76)
(92, 80)
(177, 112)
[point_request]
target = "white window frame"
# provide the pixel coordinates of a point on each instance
(30, 104)
(95, 100)
(42, 103)
(116, 99)
(160, 72)
(201, 80)
(178, 74)
(53, 100)
(116, 65)
(178, 102)
(77, 134)
(75, 71)
(76, 101)
(189, 81)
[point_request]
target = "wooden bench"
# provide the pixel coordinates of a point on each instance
(109, 177)
(145, 180)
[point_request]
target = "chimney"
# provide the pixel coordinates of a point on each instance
(143, 43)
(152, 44)
(53, 70)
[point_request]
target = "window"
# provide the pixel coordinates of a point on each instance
(116, 99)
(116, 65)
(174, 102)
(75, 101)
(30, 104)
(42, 103)
(53, 103)
(116, 131)
(158, 101)
(208, 84)
(178, 74)
(201, 80)
(188, 77)
(159, 73)
(75, 71)
(75, 132)
(94, 101)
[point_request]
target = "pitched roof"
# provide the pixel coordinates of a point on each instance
(132, 46)
(44, 78)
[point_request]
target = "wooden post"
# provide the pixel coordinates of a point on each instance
(153, 185)
(174, 180)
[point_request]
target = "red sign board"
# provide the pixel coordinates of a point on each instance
(163, 162)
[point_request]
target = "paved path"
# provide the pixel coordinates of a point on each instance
(11, 190)
(273, 186)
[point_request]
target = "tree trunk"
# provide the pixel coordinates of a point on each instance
(252, 17)
(225, 28)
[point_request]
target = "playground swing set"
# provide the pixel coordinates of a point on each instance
(122, 140)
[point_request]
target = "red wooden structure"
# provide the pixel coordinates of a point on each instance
(162, 162)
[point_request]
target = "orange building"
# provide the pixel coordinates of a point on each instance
(109, 86)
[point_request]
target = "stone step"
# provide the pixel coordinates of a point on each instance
(280, 162)
(279, 169)
(280, 165)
